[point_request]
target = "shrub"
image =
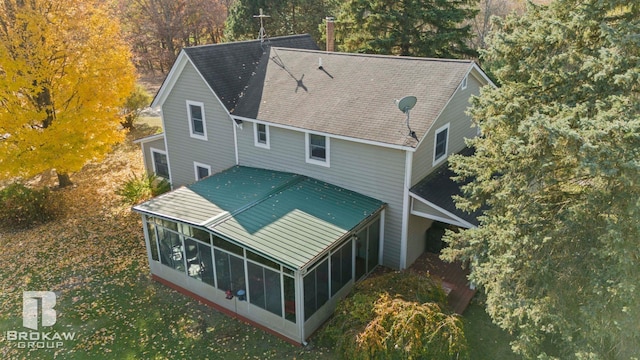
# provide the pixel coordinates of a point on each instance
(22, 207)
(404, 329)
(137, 189)
(135, 103)
(397, 315)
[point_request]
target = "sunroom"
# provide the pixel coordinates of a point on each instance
(277, 249)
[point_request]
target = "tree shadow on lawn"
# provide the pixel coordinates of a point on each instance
(486, 340)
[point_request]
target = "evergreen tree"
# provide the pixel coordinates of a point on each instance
(557, 169)
(427, 28)
(285, 18)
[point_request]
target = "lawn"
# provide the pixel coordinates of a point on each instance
(486, 340)
(93, 257)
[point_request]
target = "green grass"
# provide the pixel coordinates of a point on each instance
(486, 340)
(123, 314)
(151, 121)
(95, 260)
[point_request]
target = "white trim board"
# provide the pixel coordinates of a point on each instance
(462, 222)
(149, 138)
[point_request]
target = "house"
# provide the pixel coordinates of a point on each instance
(295, 174)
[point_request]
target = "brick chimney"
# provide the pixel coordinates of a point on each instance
(330, 35)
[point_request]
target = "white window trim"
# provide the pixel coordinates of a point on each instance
(196, 165)
(204, 121)
(464, 82)
(153, 160)
(446, 146)
(307, 152)
(267, 145)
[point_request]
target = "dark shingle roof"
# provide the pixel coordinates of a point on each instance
(228, 67)
(439, 188)
(352, 95)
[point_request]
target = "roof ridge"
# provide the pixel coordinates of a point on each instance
(377, 56)
(230, 43)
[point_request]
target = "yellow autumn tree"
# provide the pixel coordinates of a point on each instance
(65, 73)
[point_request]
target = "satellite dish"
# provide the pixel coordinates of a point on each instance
(406, 103)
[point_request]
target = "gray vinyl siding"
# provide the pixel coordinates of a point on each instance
(370, 170)
(460, 127)
(157, 144)
(218, 151)
(416, 237)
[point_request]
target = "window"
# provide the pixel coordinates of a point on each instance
(197, 123)
(464, 83)
(341, 267)
(229, 271)
(201, 170)
(195, 233)
(317, 150)
(160, 163)
(440, 144)
(265, 289)
(367, 248)
(153, 239)
(316, 289)
(289, 298)
(171, 250)
(199, 261)
(261, 135)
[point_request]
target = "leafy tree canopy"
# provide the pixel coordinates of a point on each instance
(158, 29)
(427, 28)
(558, 168)
(64, 75)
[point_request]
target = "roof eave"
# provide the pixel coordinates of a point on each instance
(170, 80)
(149, 138)
(341, 137)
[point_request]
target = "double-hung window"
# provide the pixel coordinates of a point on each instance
(160, 163)
(317, 149)
(197, 122)
(261, 135)
(441, 144)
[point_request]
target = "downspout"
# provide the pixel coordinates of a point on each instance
(406, 204)
(381, 240)
(166, 149)
(235, 138)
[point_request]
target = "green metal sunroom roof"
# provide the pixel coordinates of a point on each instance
(217, 195)
(290, 218)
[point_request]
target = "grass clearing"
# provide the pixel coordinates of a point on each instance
(94, 259)
(486, 340)
(151, 121)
